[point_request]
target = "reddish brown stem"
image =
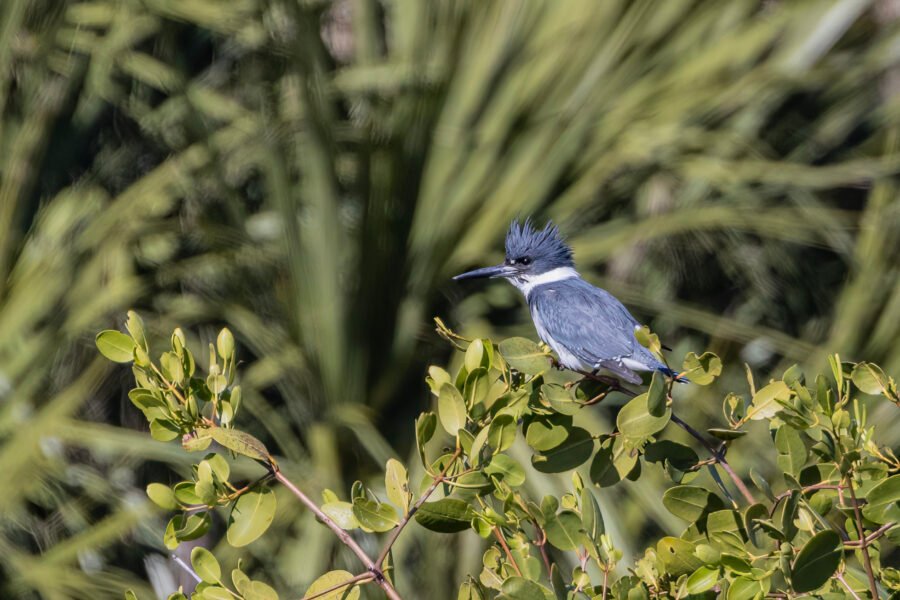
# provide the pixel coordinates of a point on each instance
(719, 457)
(500, 538)
(415, 507)
(864, 546)
(342, 535)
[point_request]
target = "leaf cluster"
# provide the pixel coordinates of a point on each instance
(821, 527)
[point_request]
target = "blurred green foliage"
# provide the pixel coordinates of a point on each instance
(309, 173)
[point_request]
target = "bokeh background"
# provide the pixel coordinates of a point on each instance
(311, 174)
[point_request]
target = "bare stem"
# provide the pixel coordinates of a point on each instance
(358, 579)
(719, 456)
(342, 535)
(864, 546)
(840, 577)
(500, 538)
(415, 507)
(871, 537)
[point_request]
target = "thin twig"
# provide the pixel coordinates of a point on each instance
(864, 546)
(169, 384)
(810, 488)
(840, 577)
(342, 535)
(358, 579)
(415, 507)
(543, 546)
(499, 535)
(871, 537)
(719, 456)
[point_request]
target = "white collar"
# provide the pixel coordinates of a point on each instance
(527, 283)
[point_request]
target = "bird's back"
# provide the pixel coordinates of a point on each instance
(585, 323)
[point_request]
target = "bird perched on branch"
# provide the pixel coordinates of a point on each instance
(587, 327)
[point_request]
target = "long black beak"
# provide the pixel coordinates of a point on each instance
(495, 271)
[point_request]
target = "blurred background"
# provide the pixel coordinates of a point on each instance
(310, 174)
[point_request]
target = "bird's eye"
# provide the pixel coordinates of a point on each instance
(525, 260)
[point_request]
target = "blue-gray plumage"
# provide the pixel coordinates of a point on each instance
(586, 326)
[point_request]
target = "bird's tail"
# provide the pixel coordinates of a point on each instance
(678, 377)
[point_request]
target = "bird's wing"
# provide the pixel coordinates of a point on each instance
(590, 322)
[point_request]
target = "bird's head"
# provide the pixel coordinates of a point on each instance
(530, 252)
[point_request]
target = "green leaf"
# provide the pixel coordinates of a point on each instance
(212, 592)
(225, 344)
(883, 501)
(635, 421)
(396, 484)
(519, 588)
(330, 580)
(205, 565)
(690, 502)
(702, 579)
(240, 442)
(648, 339)
(726, 434)
(341, 513)
(477, 386)
(373, 515)
(219, 466)
(678, 556)
(507, 469)
(162, 496)
(753, 513)
(186, 527)
(115, 345)
(612, 463)
(448, 515)
(702, 369)
(130, 595)
(436, 378)
(656, 395)
(725, 529)
(524, 355)
(205, 488)
(502, 432)
(164, 430)
(744, 588)
(792, 453)
(251, 515)
(172, 367)
(675, 455)
(869, 378)
(216, 382)
(135, 327)
(816, 562)
(257, 590)
(765, 401)
(240, 580)
(451, 409)
(425, 428)
(574, 451)
(591, 516)
(564, 530)
(560, 399)
(475, 355)
(547, 433)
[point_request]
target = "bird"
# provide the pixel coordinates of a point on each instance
(586, 326)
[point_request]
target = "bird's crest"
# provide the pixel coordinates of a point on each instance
(546, 244)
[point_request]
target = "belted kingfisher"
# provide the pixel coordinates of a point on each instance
(586, 326)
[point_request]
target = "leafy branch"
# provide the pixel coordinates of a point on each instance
(825, 531)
